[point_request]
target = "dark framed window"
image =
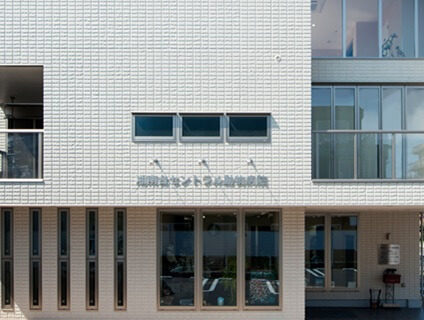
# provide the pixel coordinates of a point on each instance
(92, 236)
(154, 127)
(64, 277)
(35, 259)
(201, 128)
(120, 259)
(7, 277)
(249, 128)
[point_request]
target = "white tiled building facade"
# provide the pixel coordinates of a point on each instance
(104, 61)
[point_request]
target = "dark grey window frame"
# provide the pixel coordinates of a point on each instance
(120, 259)
(64, 259)
(92, 258)
(7, 259)
(35, 258)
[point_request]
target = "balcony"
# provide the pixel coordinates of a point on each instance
(21, 154)
(368, 155)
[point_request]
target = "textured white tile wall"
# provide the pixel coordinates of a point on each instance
(373, 227)
(141, 268)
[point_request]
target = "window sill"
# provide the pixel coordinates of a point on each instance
(367, 181)
(2, 181)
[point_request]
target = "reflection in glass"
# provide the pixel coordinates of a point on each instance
(63, 233)
(345, 108)
(91, 233)
(315, 251)
(91, 283)
(7, 283)
(219, 283)
(63, 283)
(322, 156)
(326, 28)
(415, 156)
(361, 28)
(35, 232)
(120, 283)
(7, 233)
(392, 109)
(249, 126)
(344, 252)
(387, 163)
(120, 245)
(398, 29)
(343, 156)
(35, 283)
(421, 27)
(369, 160)
(154, 126)
(321, 108)
(262, 255)
(201, 126)
(368, 108)
(414, 109)
(177, 259)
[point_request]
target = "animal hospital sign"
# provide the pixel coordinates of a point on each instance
(207, 181)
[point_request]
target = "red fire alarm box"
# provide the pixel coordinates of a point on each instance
(391, 278)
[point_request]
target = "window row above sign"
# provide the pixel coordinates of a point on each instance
(160, 127)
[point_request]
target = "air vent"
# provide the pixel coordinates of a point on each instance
(317, 5)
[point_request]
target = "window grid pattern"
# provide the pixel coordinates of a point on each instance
(120, 248)
(92, 260)
(7, 277)
(35, 259)
(64, 278)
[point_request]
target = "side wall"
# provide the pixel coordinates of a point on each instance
(373, 227)
(141, 268)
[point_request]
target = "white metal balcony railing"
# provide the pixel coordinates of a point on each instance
(368, 155)
(21, 154)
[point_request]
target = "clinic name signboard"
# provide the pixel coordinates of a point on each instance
(199, 181)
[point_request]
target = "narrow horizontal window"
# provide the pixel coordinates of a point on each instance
(249, 128)
(154, 127)
(201, 127)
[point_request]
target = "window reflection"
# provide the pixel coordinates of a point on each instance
(261, 264)
(315, 252)
(177, 260)
(219, 284)
(321, 108)
(344, 251)
(345, 108)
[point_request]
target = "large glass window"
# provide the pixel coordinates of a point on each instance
(154, 127)
(92, 259)
(63, 259)
(120, 259)
(204, 127)
(421, 27)
(392, 108)
(219, 240)
(321, 108)
(7, 278)
(361, 28)
(340, 251)
(326, 28)
(345, 108)
(222, 282)
(262, 245)
(414, 108)
(35, 259)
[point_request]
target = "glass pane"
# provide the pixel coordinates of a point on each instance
(315, 252)
(35, 233)
(92, 233)
(63, 233)
(120, 283)
(344, 156)
(63, 283)
(344, 252)
(120, 225)
(322, 156)
(421, 27)
(219, 283)
(326, 28)
(388, 157)
(414, 109)
(248, 126)
(20, 155)
(398, 29)
(414, 156)
(35, 283)
(154, 126)
(392, 109)
(177, 260)
(262, 259)
(369, 159)
(7, 235)
(345, 108)
(321, 108)
(201, 126)
(7, 283)
(361, 28)
(92, 283)
(368, 108)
